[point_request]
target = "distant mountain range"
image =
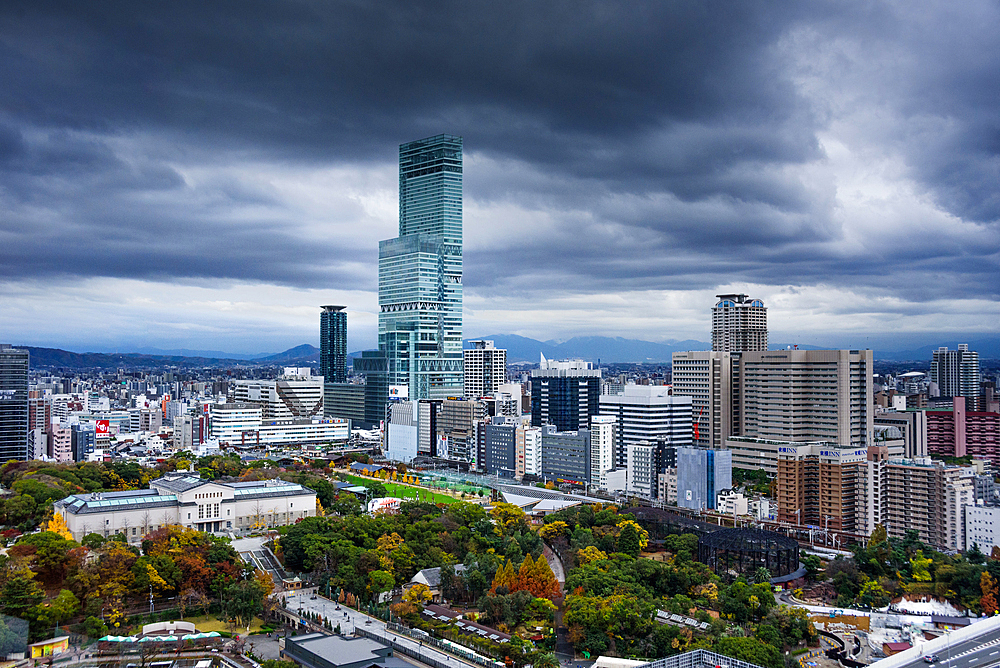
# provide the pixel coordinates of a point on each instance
(604, 348)
(519, 349)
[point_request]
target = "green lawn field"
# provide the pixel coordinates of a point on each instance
(406, 491)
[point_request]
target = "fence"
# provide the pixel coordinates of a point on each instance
(402, 649)
(699, 658)
(447, 646)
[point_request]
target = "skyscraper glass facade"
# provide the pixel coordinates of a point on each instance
(420, 272)
(333, 344)
(13, 403)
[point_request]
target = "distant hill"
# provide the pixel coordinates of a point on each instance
(304, 353)
(55, 358)
(52, 358)
(519, 349)
(593, 348)
(988, 348)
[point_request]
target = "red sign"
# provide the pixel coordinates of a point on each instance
(103, 427)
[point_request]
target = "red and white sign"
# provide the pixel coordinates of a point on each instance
(103, 427)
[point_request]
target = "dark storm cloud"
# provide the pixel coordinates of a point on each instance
(673, 124)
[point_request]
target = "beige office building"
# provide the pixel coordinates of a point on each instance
(705, 376)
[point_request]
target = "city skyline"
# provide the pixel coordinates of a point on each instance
(182, 186)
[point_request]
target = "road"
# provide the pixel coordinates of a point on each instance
(350, 619)
(980, 652)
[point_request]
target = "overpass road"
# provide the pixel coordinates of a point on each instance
(979, 651)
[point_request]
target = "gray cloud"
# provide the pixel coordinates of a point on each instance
(659, 145)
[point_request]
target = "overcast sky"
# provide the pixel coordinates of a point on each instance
(205, 175)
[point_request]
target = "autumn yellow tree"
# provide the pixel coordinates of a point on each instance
(509, 518)
(58, 525)
(589, 555)
(418, 593)
(554, 530)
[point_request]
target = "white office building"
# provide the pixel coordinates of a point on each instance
(485, 369)
(530, 440)
(296, 394)
(602, 448)
(401, 431)
(982, 527)
(707, 378)
(241, 425)
(642, 474)
(648, 413)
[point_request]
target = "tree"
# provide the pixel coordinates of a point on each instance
(243, 600)
(546, 660)
(20, 593)
(751, 650)
(873, 595)
(504, 580)
(92, 540)
(418, 593)
(920, 567)
(379, 582)
(988, 602)
(94, 627)
(50, 554)
(58, 610)
(57, 525)
(762, 575)
(554, 530)
(628, 540)
(589, 555)
(509, 518)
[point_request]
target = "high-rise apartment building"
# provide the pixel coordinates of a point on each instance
(739, 324)
(13, 403)
(648, 413)
(333, 344)
(959, 432)
(820, 484)
(420, 272)
(565, 394)
(912, 426)
(485, 369)
(929, 497)
(956, 373)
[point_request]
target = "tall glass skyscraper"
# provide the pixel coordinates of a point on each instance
(14, 403)
(333, 344)
(420, 272)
